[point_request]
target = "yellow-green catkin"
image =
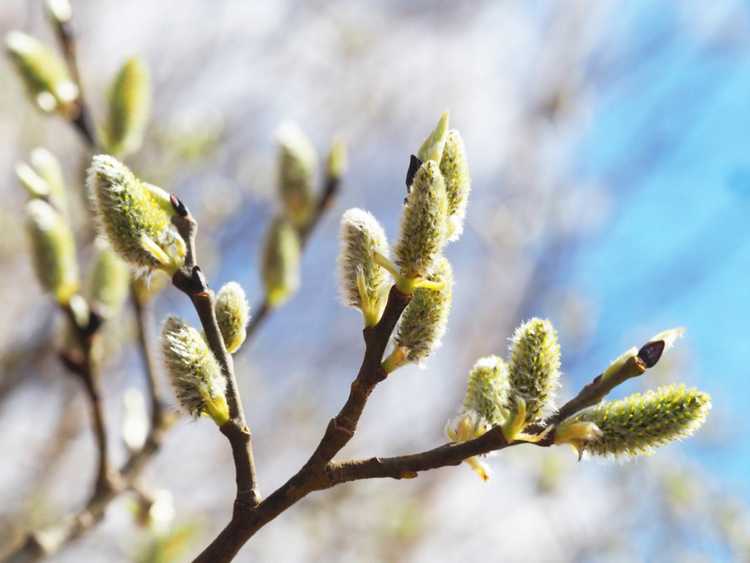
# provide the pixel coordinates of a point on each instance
(455, 170)
(109, 281)
(281, 262)
(424, 320)
(488, 389)
(129, 108)
(534, 368)
(135, 217)
(364, 283)
(423, 223)
(232, 314)
(640, 423)
(43, 72)
(193, 370)
(297, 165)
(53, 250)
(433, 145)
(44, 178)
(337, 161)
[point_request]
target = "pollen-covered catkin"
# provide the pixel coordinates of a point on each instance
(297, 165)
(232, 315)
(280, 264)
(53, 250)
(640, 423)
(363, 282)
(129, 107)
(43, 72)
(424, 320)
(423, 223)
(534, 368)
(455, 170)
(193, 370)
(135, 217)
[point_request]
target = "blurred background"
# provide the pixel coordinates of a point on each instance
(611, 181)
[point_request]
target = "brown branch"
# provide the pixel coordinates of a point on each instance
(314, 474)
(80, 116)
(191, 281)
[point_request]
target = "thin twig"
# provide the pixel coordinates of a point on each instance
(191, 281)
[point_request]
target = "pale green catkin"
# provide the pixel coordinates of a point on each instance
(423, 223)
(129, 107)
(109, 281)
(135, 217)
(455, 170)
(534, 368)
(640, 423)
(232, 314)
(297, 165)
(44, 178)
(193, 370)
(488, 389)
(363, 283)
(42, 71)
(280, 264)
(424, 320)
(432, 147)
(53, 250)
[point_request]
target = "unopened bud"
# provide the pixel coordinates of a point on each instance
(194, 372)
(135, 217)
(232, 314)
(297, 164)
(59, 10)
(109, 282)
(53, 249)
(336, 161)
(640, 423)
(455, 170)
(43, 72)
(535, 366)
(129, 107)
(433, 145)
(44, 178)
(281, 258)
(364, 283)
(423, 223)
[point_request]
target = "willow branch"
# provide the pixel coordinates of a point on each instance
(191, 281)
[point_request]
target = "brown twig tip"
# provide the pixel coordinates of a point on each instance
(651, 352)
(179, 207)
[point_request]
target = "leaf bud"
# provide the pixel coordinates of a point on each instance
(129, 107)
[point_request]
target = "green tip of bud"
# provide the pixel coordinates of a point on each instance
(535, 366)
(59, 10)
(232, 314)
(43, 72)
(640, 423)
(455, 170)
(297, 164)
(364, 283)
(109, 281)
(129, 108)
(53, 249)
(280, 265)
(423, 223)
(487, 389)
(194, 372)
(432, 147)
(337, 161)
(423, 322)
(44, 178)
(577, 433)
(135, 217)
